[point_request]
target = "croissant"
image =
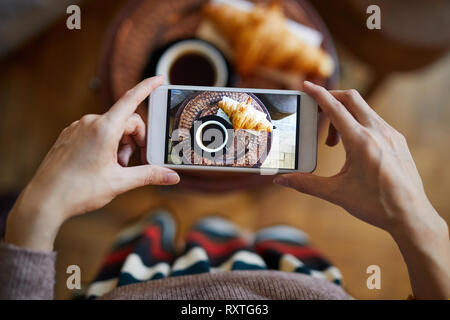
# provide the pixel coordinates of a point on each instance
(262, 37)
(244, 116)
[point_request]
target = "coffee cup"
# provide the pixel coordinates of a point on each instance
(193, 62)
(211, 129)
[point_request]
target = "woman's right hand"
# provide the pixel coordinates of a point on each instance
(379, 184)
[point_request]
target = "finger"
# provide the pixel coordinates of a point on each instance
(127, 105)
(87, 119)
(135, 128)
(322, 187)
(339, 116)
(333, 136)
(357, 106)
(148, 175)
(126, 149)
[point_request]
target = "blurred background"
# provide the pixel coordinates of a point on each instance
(50, 76)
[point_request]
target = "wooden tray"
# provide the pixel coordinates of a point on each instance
(143, 26)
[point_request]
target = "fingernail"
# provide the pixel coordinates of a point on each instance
(308, 83)
(171, 178)
(281, 181)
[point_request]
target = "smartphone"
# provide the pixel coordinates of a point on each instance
(232, 129)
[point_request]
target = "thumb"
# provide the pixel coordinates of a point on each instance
(308, 183)
(140, 176)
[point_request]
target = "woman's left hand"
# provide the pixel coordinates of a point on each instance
(84, 170)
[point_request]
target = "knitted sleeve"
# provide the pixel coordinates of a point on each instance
(26, 274)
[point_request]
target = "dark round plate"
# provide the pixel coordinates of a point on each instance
(143, 26)
(201, 104)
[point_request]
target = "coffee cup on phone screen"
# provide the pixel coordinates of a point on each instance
(211, 136)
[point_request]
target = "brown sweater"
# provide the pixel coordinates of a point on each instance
(26, 274)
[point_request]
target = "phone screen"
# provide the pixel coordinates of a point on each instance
(235, 129)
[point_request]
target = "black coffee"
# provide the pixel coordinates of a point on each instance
(192, 69)
(212, 136)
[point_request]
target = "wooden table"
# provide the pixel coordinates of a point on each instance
(413, 34)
